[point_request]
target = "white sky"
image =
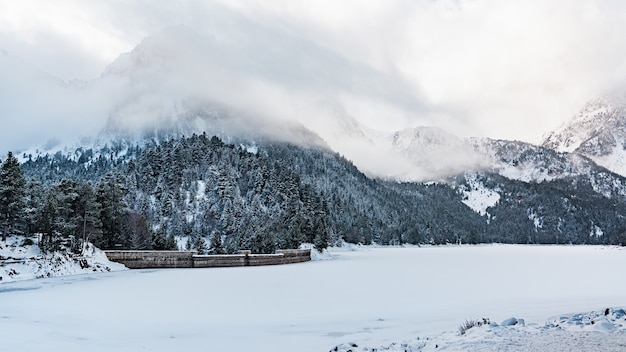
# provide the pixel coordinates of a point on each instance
(496, 68)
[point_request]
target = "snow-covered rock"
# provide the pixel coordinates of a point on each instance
(512, 321)
(20, 261)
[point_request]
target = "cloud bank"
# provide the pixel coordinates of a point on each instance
(494, 68)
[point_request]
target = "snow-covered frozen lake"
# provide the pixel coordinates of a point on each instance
(372, 296)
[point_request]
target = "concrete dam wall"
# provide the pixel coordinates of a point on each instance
(190, 259)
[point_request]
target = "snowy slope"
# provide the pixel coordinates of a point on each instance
(529, 163)
(597, 131)
(476, 196)
(24, 262)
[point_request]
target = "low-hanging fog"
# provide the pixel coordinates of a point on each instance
(500, 69)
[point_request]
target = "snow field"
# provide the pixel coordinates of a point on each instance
(477, 196)
(369, 296)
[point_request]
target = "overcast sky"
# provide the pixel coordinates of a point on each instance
(505, 69)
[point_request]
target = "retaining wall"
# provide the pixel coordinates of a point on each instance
(177, 259)
(152, 259)
(216, 261)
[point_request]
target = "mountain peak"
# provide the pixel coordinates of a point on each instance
(597, 131)
(593, 130)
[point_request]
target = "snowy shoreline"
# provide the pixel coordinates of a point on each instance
(597, 330)
(19, 262)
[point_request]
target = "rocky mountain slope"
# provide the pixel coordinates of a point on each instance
(598, 131)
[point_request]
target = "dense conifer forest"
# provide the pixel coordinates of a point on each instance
(220, 198)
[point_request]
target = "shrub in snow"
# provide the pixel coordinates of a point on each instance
(468, 324)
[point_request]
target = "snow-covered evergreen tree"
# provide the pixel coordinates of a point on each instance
(12, 202)
(113, 214)
(216, 246)
(48, 221)
(34, 202)
(159, 240)
(139, 231)
(199, 245)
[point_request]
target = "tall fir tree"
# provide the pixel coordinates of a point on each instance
(159, 240)
(69, 220)
(89, 211)
(139, 232)
(113, 214)
(12, 190)
(216, 246)
(35, 200)
(47, 222)
(199, 245)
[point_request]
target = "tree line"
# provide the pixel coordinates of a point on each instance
(68, 213)
(204, 194)
(192, 193)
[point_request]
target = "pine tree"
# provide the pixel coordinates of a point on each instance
(321, 234)
(140, 237)
(68, 220)
(89, 211)
(47, 222)
(200, 245)
(216, 246)
(170, 243)
(113, 210)
(12, 189)
(159, 241)
(34, 202)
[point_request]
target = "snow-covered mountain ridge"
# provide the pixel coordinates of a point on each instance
(427, 153)
(598, 131)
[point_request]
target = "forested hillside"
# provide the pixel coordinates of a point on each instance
(220, 197)
(195, 187)
(576, 209)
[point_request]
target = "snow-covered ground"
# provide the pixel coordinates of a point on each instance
(24, 262)
(478, 197)
(372, 297)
